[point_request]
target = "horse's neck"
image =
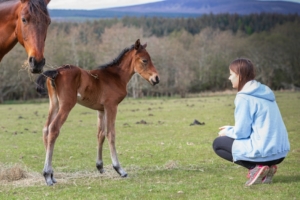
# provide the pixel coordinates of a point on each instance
(8, 11)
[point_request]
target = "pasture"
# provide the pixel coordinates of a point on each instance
(164, 156)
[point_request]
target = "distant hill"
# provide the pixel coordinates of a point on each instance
(185, 8)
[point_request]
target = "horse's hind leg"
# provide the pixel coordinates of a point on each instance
(101, 138)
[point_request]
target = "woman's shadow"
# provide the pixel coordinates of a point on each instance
(286, 179)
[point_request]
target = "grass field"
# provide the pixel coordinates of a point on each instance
(164, 156)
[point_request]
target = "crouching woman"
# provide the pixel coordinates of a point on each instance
(258, 141)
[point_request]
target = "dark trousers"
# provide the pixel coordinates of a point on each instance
(222, 147)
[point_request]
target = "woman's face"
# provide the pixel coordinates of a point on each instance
(234, 78)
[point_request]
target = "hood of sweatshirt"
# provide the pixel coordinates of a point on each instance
(256, 89)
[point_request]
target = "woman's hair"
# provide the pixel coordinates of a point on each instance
(245, 69)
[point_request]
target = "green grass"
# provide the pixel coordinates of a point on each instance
(165, 158)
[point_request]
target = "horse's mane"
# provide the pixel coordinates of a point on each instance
(37, 9)
(117, 60)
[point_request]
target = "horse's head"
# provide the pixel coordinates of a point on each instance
(31, 31)
(143, 64)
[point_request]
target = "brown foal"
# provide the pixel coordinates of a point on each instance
(101, 89)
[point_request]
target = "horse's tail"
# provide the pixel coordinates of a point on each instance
(41, 80)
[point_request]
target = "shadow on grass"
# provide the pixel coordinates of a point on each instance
(286, 179)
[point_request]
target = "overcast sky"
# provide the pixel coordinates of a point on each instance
(97, 4)
(94, 4)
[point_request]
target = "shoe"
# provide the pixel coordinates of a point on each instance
(268, 178)
(256, 174)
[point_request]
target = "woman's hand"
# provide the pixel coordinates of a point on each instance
(222, 131)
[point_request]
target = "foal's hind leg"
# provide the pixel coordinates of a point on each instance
(54, 129)
(53, 109)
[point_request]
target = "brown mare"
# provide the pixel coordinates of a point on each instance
(101, 89)
(26, 22)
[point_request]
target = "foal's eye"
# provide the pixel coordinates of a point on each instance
(145, 61)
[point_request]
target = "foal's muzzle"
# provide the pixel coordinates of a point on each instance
(36, 67)
(155, 80)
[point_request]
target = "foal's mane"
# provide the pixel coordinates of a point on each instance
(117, 60)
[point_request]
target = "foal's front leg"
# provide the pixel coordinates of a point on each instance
(101, 138)
(110, 115)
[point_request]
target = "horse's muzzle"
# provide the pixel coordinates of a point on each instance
(36, 67)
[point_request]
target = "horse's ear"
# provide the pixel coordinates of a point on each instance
(145, 45)
(137, 44)
(47, 1)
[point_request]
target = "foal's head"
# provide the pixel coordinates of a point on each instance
(143, 65)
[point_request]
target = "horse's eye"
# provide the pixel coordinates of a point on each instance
(24, 20)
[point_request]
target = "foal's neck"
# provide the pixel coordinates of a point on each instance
(124, 69)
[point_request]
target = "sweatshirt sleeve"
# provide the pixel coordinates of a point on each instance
(243, 120)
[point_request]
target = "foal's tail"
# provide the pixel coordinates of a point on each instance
(41, 80)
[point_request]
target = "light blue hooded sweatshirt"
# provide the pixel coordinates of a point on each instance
(259, 132)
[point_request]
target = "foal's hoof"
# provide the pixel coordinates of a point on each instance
(100, 167)
(120, 171)
(50, 180)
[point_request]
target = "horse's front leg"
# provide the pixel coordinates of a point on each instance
(101, 138)
(110, 113)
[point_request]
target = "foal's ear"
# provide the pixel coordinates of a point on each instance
(137, 44)
(145, 45)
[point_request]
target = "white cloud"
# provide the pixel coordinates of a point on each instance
(94, 4)
(295, 1)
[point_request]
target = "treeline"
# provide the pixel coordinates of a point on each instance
(188, 61)
(160, 27)
(249, 24)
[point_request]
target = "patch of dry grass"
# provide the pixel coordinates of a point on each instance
(17, 176)
(12, 173)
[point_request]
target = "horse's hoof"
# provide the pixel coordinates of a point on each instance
(124, 175)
